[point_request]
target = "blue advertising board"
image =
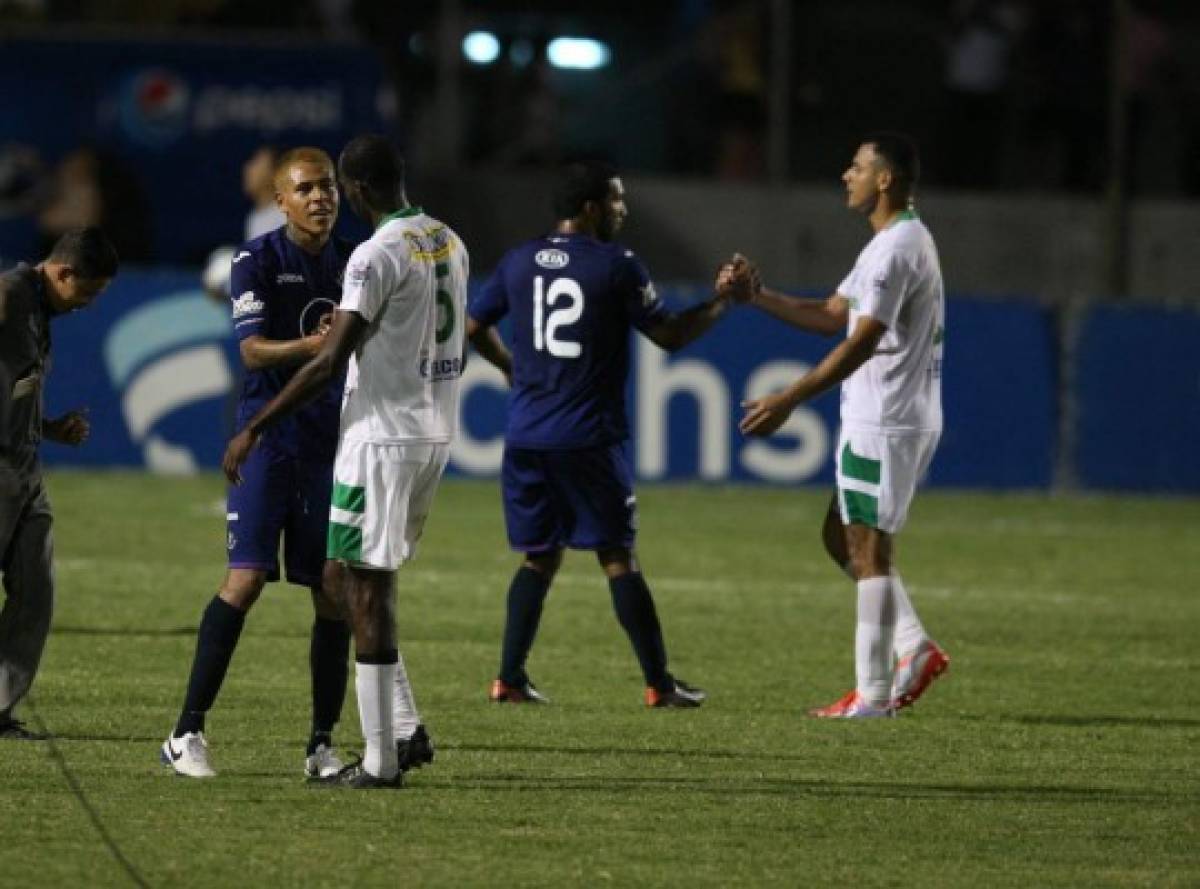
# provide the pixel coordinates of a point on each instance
(155, 362)
(1138, 399)
(183, 117)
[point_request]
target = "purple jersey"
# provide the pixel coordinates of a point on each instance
(280, 292)
(572, 301)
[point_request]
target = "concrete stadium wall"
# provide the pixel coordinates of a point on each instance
(1050, 248)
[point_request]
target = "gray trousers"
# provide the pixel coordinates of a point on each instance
(26, 551)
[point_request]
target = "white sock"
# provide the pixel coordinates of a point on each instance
(373, 683)
(873, 640)
(909, 631)
(405, 717)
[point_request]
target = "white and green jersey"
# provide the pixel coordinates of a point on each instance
(897, 280)
(409, 282)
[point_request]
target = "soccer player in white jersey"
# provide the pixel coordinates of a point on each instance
(892, 308)
(400, 326)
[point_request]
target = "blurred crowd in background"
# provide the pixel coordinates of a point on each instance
(1001, 94)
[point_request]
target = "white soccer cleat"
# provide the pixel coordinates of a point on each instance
(852, 705)
(188, 756)
(916, 671)
(323, 763)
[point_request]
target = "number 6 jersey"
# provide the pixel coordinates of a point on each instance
(409, 282)
(571, 300)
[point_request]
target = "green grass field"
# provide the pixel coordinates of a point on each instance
(1060, 750)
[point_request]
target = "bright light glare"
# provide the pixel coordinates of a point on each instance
(580, 53)
(481, 48)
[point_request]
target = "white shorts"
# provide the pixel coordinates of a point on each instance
(877, 475)
(381, 497)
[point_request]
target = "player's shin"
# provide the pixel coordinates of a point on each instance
(909, 631)
(329, 655)
(220, 629)
(635, 611)
(375, 677)
(526, 595)
(405, 717)
(873, 640)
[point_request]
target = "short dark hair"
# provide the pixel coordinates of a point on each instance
(899, 153)
(579, 182)
(375, 160)
(88, 251)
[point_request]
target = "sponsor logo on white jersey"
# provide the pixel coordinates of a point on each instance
(246, 304)
(440, 369)
(551, 259)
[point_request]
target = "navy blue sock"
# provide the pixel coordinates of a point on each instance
(329, 662)
(635, 610)
(220, 628)
(526, 594)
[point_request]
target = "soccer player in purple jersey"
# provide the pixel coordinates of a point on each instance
(285, 286)
(572, 298)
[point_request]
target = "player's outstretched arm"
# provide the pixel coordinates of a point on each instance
(305, 384)
(765, 415)
(259, 352)
(677, 330)
(488, 344)
(741, 280)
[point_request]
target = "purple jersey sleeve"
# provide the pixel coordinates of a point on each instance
(491, 301)
(247, 295)
(643, 305)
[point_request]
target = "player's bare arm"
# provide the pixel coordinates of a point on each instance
(742, 282)
(311, 379)
(765, 415)
(681, 328)
(259, 352)
(488, 344)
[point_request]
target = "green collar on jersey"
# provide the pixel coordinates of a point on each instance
(399, 214)
(910, 213)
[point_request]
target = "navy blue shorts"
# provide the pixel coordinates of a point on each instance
(581, 499)
(280, 496)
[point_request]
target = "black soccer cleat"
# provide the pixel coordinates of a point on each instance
(682, 696)
(14, 730)
(414, 752)
(355, 777)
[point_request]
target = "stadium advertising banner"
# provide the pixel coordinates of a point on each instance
(1138, 399)
(155, 362)
(172, 122)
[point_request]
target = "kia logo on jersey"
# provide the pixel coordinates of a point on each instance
(551, 259)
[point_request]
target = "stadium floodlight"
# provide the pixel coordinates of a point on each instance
(481, 47)
(579, 53)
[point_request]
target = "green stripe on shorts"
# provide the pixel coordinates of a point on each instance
(861, 508)
(345, 543)
(864, 469)
(352, 498)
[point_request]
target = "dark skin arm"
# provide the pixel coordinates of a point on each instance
(72, 428)
(343, 337)
(677, 330)
(488, 344)
(765, 415)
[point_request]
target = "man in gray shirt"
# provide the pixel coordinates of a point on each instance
(79, 267)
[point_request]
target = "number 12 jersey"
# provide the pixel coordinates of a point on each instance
(571, 300)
